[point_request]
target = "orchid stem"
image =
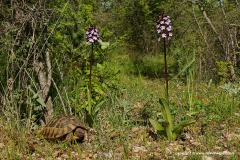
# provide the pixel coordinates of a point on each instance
(166, 70)
(90, 75)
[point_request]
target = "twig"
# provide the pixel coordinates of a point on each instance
(60, 97)
(69, 106)
(61, 75)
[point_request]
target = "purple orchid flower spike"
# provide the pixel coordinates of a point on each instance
(164, 30)
(164, 27)
(92, 35)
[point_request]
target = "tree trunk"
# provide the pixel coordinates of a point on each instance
(225, 40)
(44, 73)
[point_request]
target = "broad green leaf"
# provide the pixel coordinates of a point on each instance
(163, 103)
(40, 100)
(89, 102)
(174, 136)
(35, 95)
(157, 126)
(168, 116)
(192, 113)
(87, 43)
(104, 45)
(99, 90)
(188, 65)
(87, 72)
(100, 66)
(178, 128)
(89, 119)
(98, 106)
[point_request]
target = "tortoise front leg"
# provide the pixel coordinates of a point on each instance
(86, 136)
(68, 137)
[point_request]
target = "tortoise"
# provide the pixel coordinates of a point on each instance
(65, 128)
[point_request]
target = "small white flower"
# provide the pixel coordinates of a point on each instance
(91, 40)
(161, 22)
(165, 18)
(164, 35)
(163, 27)
(168, 22)
(169, 28)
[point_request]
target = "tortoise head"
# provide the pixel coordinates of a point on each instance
(81, 134)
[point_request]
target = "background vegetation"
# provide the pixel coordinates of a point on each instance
(44, 71)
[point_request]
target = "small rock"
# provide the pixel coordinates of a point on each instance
(227, 153)
(137, 149)
(237, 114)
(207, 158)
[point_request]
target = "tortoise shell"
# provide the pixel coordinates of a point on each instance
(65, 128)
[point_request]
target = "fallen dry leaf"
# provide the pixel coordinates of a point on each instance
(232, 136)
(2, 146)
(56, 153)
(135, 129)
(65, 156)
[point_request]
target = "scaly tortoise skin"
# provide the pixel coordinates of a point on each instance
(65, 128)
